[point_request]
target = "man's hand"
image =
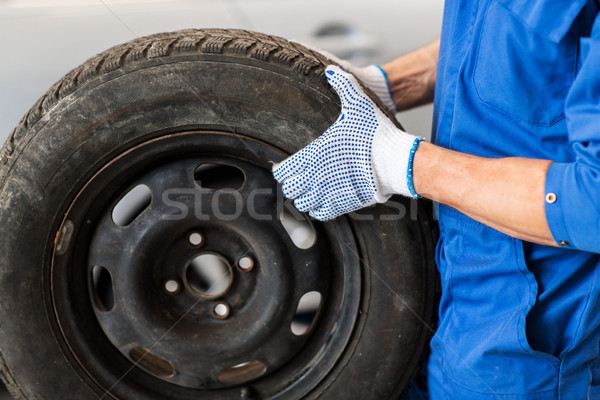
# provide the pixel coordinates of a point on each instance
(363, 158)
(372, 76)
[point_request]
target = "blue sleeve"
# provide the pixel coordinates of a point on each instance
(573, 189)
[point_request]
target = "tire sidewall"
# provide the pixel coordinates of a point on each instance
(123, 109)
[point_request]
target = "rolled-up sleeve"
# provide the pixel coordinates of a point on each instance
(573, 189)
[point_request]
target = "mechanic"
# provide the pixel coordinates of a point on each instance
(515, 169)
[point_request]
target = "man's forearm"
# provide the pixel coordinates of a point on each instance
(506, 194)
(412, 77)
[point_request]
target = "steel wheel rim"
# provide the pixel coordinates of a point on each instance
(306, 358)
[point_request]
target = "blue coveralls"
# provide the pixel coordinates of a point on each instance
(518, 320)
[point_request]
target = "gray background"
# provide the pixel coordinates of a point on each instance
(43, 39)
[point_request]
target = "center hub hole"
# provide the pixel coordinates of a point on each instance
(209, 275)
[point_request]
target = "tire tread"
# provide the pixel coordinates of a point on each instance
(235, 42)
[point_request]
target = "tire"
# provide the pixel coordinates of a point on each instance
(94, 306)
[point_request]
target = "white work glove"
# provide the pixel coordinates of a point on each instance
(373, 77)
(363, 158)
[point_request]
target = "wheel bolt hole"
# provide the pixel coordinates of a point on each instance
(246, 263)
(132, 205)
(306, 313)
(218, 176)
(195, 239)
(242, 373)
(172, 287)
(102, 285)
(298, 227)
(221, 310)
(151, 362)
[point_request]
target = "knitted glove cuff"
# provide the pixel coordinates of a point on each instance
(375, 78)
(393, 153)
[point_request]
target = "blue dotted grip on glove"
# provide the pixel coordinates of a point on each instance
(334, 174)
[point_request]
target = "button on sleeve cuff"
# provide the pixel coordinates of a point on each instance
(572, 217)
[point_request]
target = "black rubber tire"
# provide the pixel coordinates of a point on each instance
(256, 85)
